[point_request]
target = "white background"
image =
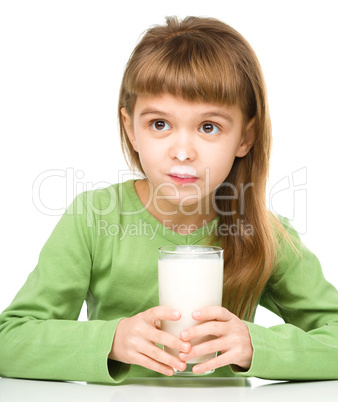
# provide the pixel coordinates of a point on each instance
(60, 72)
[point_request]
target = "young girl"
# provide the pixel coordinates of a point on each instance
(194, 120)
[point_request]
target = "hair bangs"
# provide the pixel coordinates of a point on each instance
(195, 68)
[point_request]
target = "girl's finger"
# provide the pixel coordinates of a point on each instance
(159, 355)
(218, 361)
(211, 313)
(147, 362)
(212, 346)
(161, 313)
(164, 338)
(215, 328)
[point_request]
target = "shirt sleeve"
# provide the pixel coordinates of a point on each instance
(306, 346)
(40, 336)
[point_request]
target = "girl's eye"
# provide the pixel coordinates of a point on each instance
(160, 125)
(209, 128)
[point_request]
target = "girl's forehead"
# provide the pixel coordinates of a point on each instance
(169, 104)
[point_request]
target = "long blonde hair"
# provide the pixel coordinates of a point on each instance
(204, 59)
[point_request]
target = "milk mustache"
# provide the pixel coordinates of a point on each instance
(190, 278)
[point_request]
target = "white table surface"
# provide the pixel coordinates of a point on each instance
(169, 389)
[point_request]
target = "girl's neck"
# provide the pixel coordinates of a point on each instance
(169, 214)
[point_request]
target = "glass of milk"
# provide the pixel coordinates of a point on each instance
(189, 278)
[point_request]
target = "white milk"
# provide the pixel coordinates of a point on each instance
(187, 284)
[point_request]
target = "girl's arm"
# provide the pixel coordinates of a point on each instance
(39, 334)
(306, 346)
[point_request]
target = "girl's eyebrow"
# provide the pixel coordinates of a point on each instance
(223, 115)
(148, 110)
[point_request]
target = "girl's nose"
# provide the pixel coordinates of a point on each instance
(183, 147)
(182, 156)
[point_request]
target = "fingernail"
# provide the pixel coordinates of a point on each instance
(184, 334)
(196, 369)
(184, 347)
(196, 314)
(182, 356)
(177, 314)
(181, 366)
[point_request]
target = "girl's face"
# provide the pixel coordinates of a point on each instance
(186, 148)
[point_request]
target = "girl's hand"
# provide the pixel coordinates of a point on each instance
(135, 338)
(232, 339)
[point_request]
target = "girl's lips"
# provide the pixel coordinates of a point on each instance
(183, 174)
(183, 180)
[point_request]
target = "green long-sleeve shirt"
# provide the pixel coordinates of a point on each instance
(104, 251)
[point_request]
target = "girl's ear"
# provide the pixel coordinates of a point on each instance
(248, 139)
(129, 127)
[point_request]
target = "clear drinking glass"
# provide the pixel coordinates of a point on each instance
(190, 278)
